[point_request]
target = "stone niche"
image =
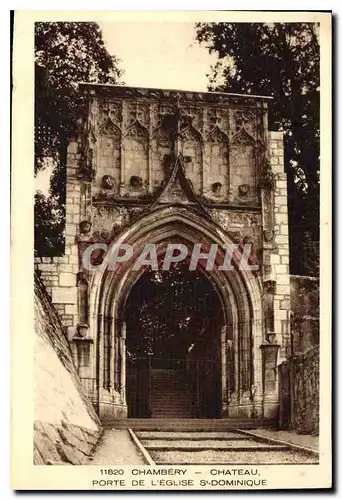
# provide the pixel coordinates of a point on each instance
(130, 133)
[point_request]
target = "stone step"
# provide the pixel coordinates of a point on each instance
(186, 424)
(227, 458)
(202, 436)
(212, 445)
(192, 436)
(171, 413)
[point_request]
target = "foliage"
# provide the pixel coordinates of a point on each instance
(281, 60)
(167, 311)
(267, 177)
(65, 53)
(48, 229)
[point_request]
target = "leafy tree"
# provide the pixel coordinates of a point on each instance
(65, 53)
(49, 222)
(281, 60)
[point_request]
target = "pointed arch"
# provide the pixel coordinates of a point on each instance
(239, 292)
(190, 133)
(243, 137)
(109, 128)
(136, 130)
(217, 135)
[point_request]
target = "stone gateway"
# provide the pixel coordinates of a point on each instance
(151, 166)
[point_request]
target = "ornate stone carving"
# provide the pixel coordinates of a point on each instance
(270, 286)
(242, 137)
(191, 134)
(108, 182)
(243, 190)
(110, 109)
(81, 278)
(216, 188)
(108, 219)
(109, 128)
(133, 213)
(136, 182)
(243, 119)
(85, 227)
(137, 112)
(221, 218)
(137, 131)
(175, 193)
(244, 196)
(241, 224)
(269, 235)
(216, 135)
(122, 92)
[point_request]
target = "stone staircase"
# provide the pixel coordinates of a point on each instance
(174, 447)
(171, 396)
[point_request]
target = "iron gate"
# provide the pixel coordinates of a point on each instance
(199, 380)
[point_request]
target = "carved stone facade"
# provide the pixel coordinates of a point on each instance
(148, 164)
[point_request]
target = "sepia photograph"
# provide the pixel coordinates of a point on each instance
(176, 254)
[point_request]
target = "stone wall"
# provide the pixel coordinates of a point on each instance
(299, 374)
(59, 274)
(299, 392)
(66, 427)
(305, 312)
(276, 242)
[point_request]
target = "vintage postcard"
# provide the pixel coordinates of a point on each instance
(171, 308)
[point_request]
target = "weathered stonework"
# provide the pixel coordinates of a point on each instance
(190, 166)
(299, 392)
(66, 427)
(299, 374)
(304, 313)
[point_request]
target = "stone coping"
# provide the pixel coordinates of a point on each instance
(127, 92)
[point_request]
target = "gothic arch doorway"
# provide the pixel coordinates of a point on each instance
(239, 295)
(173, 347)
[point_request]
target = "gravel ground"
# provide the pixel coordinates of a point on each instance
(117, 448)
(222, 457)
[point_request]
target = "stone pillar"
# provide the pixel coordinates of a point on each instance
(224, 381)
(269, 369)
(279, 257)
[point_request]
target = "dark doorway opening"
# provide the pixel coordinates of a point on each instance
(173, 351)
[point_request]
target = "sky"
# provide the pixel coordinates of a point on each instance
(159, 54)
(153, 54)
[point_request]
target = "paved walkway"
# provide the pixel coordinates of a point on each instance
(306, 440)
(117, 448)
